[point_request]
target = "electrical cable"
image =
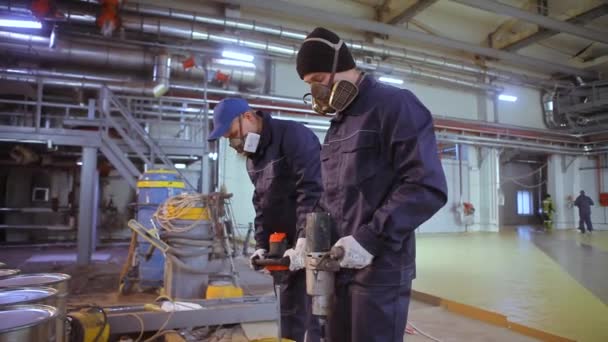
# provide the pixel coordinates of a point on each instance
(529, 186)
(141, 325)
(505, 179)
(421, 332)
(174, 208)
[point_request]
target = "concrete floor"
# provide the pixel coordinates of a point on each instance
(98, 283)
(553, 282)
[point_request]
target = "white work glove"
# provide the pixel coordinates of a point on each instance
(258, 254)
(297, 255)
(355, 256)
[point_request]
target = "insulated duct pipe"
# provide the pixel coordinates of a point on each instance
(158, 87)
(118, 57)
(419, 73)
(187, 30)
(183, 27)
(380, 50)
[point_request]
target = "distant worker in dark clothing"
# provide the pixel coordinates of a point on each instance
(584, 203)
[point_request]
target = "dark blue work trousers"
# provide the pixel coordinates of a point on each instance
(585, 219)
(364, 313)
(296, 310)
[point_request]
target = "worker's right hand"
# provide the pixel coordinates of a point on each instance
(297, 255)
(354, 255)
(258, 254)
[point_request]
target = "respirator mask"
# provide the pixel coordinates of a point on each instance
(335, 96)
(246, 145)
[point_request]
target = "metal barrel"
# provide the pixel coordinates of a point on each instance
(58, 281)
(28, 323)
(186, 275)
(7, 272)
(28, 295)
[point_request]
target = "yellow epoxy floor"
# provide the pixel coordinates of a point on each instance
(509, 275)
(598, 239)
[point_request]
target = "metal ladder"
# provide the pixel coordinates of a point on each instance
(135, 137)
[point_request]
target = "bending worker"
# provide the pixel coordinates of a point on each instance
(382, 178)
(584, 203)
(283, 164)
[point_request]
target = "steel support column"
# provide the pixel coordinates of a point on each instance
(87, 212)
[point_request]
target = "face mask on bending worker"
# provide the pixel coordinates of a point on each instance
(334, 96)
(245, 144)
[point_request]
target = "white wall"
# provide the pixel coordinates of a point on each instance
(526, 111)
(567, 177)
(286, 81)
(440, 100)
(446, 102)
(447, 220)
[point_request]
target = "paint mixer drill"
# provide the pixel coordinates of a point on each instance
(322, 262)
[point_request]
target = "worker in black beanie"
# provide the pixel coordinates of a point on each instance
(382, 178)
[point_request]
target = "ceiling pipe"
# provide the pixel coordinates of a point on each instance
(180, 24)
(360, 46)
(158, 87)
(419, 73)
(448, 130)
(316, 15)
(119, 57)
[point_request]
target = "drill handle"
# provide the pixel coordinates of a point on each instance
(271, 262)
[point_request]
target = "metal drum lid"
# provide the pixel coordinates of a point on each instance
(17, 317)
(34, 279)
(8, 272)
(13, 296)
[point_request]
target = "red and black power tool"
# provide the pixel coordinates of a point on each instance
(278, 266)
(274, 262)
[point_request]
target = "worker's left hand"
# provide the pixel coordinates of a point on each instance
(355, 256)
(297, 255)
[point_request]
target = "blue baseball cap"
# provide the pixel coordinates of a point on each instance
(224, 113)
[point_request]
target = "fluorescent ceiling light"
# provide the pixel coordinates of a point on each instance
(79, 163)
(232, 62)
(179, 165)
(20, 23)
(508, 98)
(390, 80)
(52, 39)
(238, 56)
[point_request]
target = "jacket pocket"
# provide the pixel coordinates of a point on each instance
(360, 157)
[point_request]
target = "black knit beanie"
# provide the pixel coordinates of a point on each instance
(316, 56)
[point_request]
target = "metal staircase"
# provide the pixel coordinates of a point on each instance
(117, 118)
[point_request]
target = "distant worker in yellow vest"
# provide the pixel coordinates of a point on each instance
(548, 210)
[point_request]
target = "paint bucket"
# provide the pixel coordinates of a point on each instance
(58, 281)
(28, 323)
(7, 272)
(28, 295)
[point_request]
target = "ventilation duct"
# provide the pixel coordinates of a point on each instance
(183, 25)
(373, 65)
(363, 47)
(582, 108)
(36, 47)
